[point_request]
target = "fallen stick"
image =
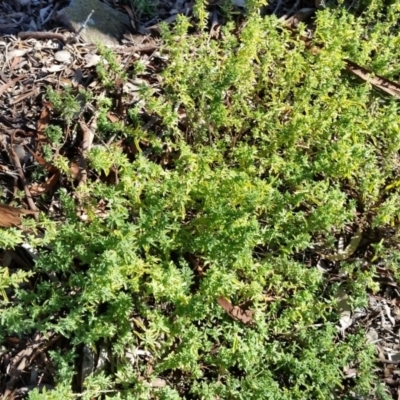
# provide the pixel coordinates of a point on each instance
(86, 146)
(44, 35)
(21, 174)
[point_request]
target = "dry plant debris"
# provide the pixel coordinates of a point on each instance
(239, 313)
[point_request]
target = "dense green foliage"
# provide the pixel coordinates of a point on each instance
(283, 150)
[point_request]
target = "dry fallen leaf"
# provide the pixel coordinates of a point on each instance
(17, 53)
(38, 189)
(41, 161)
(350, 373)
(75, 170)
(236, 312)
(112, 117)
(91, 60)
(379, 82)
(389, 314)
(10, 216)
(44, 118)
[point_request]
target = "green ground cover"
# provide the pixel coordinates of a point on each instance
(264, 152)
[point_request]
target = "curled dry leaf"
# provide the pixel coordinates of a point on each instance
(112, 117)
(75, 170)
(389, 314)
(348, 251)
(54, 68)
(372, 336)
(17, 53)
(91, 60)
(350, 373)
(240, 313)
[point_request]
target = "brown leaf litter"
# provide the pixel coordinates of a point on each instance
(22, 94)
(23, 360)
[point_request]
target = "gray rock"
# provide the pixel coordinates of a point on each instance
(106, 25)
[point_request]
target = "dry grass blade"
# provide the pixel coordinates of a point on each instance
(383, 84)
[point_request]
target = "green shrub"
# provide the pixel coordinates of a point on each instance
(283, 151)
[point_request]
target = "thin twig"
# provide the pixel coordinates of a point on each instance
(21, 174)
(277, 7)
(385, 361)
(43, 35)
(291, 11)
(84, 25)
(97, 392)
(295, 7)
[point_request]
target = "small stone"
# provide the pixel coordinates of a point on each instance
(105, 26)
